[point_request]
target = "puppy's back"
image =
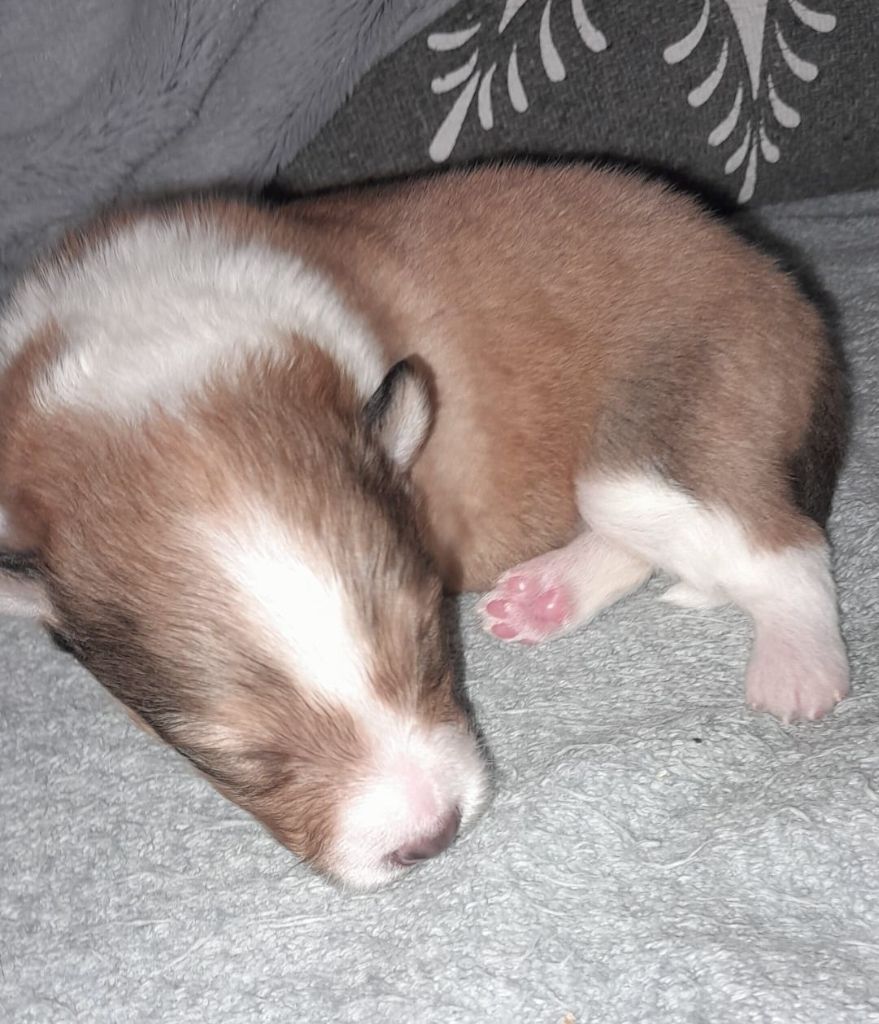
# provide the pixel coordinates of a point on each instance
(574, 319)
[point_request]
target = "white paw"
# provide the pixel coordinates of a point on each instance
(793, 680)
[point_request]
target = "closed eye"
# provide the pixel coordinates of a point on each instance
(21, 563)
(62, 642)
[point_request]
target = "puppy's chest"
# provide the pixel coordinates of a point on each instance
(490, 504)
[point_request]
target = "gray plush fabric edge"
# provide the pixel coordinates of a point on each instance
(105, 99)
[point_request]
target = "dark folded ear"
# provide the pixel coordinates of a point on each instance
(22, 589)
(400, 413)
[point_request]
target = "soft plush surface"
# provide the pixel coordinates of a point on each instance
(655, 853)
(102, 99)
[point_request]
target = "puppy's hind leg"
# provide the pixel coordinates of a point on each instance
(561, 590)
(798, 666)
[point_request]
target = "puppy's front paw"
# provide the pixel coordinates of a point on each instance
(529, 604)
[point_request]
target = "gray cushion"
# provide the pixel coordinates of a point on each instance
(767, 101)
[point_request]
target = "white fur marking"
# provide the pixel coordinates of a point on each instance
(416, 778)
(409, 419)
(415, 775)
(685, 596)
(798, 667)
(662, 524)
(311, 621)
(152, 312)
(706, 547)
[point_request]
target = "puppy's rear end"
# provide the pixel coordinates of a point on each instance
(624, 385)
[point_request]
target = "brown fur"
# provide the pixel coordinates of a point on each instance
(573, 320)
(652, 335)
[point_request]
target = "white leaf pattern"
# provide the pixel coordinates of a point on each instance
(440, 41)
(682, 49)
(723, 131)
(748, 36)
(757, 99)
(454, 78)
(552, 62)
(747, 189)
(785, 115)
(511, 9)
(805, 70)
(593, 39)
(814, 19)
(483, 103)
(445, 139)
(468, 76)
(770, 151)
(738, 158)
(514, 83)
(705, 91)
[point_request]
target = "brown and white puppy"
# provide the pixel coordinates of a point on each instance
(224, 491)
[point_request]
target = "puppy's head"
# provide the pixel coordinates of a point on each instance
(247, 576)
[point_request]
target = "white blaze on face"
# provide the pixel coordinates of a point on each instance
(416, 774)
(313, 625)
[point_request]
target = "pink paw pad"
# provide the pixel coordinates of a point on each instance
(526, 608)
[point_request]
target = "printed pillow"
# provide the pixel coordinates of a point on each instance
(759, 99)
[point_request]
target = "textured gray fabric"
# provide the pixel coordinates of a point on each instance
(761, 99)
(100, 99)
(655, 853)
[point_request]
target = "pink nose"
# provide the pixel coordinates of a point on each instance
(428, 845)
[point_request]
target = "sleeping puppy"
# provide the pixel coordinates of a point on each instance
(242, 450)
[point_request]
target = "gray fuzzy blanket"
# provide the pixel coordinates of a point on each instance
(655, 853)
(102, 99)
